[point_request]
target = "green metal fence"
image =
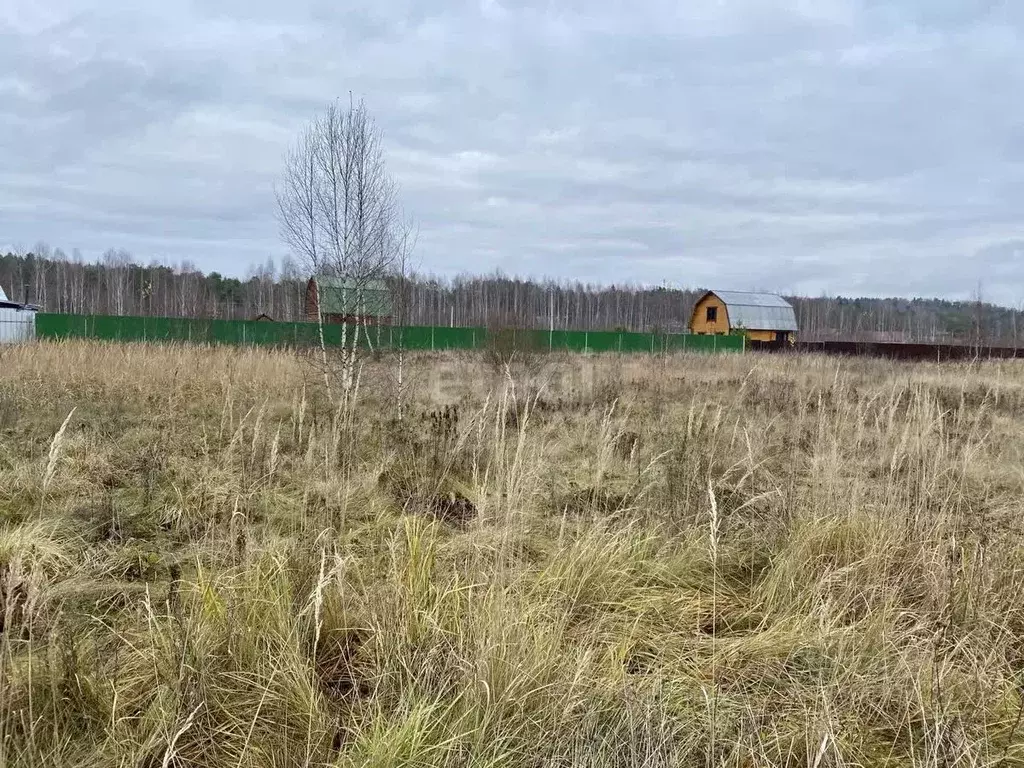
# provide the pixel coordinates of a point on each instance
(259, 333)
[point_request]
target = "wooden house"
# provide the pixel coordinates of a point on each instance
(760, 316)
(347, 300)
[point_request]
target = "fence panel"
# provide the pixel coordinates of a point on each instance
(695, 343)
(640, 342)
(674, 342)
(248, 332)
(603, 341)
(415, 337)
(456, 338)
(196, 331)
(61, 326)
(572, 341)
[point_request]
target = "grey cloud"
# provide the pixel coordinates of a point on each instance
(831, 146)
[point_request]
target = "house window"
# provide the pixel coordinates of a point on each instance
(712, 314)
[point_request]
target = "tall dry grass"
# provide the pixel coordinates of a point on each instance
(732, 561)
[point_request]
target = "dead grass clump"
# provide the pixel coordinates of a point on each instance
(10, 408)
(580, 501)
(335, 662)
(626, 444)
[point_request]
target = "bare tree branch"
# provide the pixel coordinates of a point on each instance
(338, 206)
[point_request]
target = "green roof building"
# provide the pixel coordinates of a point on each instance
(345, 299)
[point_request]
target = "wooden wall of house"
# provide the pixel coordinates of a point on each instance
(699, 322)
(768, 336)
(312, 302)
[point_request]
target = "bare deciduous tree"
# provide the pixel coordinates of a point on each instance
(338, 210)
(117, 264)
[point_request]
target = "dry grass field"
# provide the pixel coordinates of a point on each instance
(693, 561)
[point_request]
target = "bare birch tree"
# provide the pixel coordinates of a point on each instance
(401, 313)
(338, 210)
(116, 263)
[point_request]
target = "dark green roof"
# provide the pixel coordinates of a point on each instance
(349, 296)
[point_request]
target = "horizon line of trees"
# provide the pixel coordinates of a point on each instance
(117, 284)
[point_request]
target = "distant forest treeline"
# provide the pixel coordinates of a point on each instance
(119, 285)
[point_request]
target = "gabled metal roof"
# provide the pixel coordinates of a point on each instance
(758, 311)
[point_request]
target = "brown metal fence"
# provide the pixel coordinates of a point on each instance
(895, 350)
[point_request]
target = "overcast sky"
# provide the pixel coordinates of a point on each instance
(805, 146)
